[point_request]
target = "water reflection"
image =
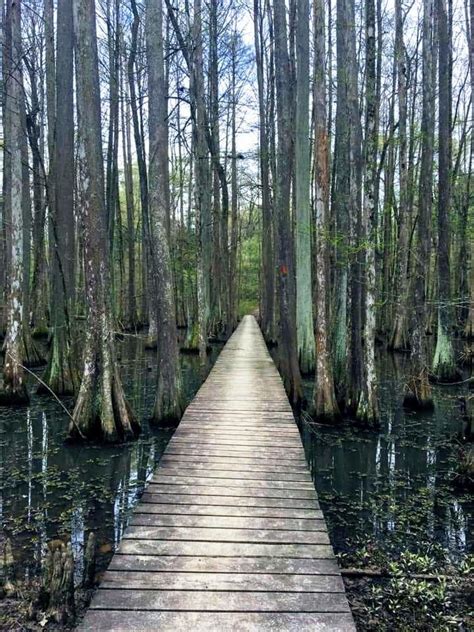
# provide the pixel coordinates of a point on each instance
(392, 487)
(50, 489)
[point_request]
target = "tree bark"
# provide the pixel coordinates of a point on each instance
(304, 303)
(268, 273)
(61, 374)
(367, 409)
(418, 390)
(168, 402)
(288, 357)
(324, 406)
(13, 389)
(444, 363)
(101, 411)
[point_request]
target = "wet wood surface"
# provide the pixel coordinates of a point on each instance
(229, 534)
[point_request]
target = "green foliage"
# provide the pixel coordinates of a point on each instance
(412, 604)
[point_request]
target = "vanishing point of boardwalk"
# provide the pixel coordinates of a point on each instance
(229, 534)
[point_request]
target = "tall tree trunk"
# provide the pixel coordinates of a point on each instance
(341, 200)
(268, 274)
(33, 127)
(13, 389)
(202, 175)
(398, 339)
(168, 404)
(304, 303)
(140, 149)
(101, 410)
(286, 272)
(367, 410)
(355, 208)
(61, 374)
(418, 390)
(131, 319)
(232, 275)
(30, 354)
(219, 249)
(324, 400)
(469, 326)
(444, 363)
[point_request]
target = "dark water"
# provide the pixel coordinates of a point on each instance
(50, 489)
(391, 490)
(389, 487)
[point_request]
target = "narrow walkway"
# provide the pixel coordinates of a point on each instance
(229, 534)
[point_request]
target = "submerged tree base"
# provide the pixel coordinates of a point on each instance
(14, 396)
(30, 354)
(102, 412)
(367, 415)
(40, 331)
(61, 375)
(418, 393)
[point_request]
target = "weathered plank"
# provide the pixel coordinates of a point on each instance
(196, 534)
(230, 482)
(232, 501)
(223, 581)
(210, 564)
(248, 491)
(228, 522)
(226, 549)
(220, 601)
(228, 534)
(165, 509)
(118, 620)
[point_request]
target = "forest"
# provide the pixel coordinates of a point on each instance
(169, 166)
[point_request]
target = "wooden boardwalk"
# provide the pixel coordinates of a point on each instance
(229, 534)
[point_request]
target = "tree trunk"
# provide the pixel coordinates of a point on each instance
(268, 273)
(288, 357)
(418, 390)
(168, 404)
(304, 303)
(398, 339)
(13, 389)
(61, 374)
(444, 363)
(367, 410)
(101, 410)
(324, 399)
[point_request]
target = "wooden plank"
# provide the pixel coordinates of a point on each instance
(220, 601)
(214, 473)
(228, 534)
(229, 482)
(209, 564)
(228, 522)
(282, 456)
(224, 549)
(245, 490)
(223, 581)
(196, 534)
(234, 462)
(119, 620)
(226, 511)
(234, 501)
(241, 442)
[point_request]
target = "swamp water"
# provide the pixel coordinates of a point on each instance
(51, 489)
(385, 491)
(392, 489)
